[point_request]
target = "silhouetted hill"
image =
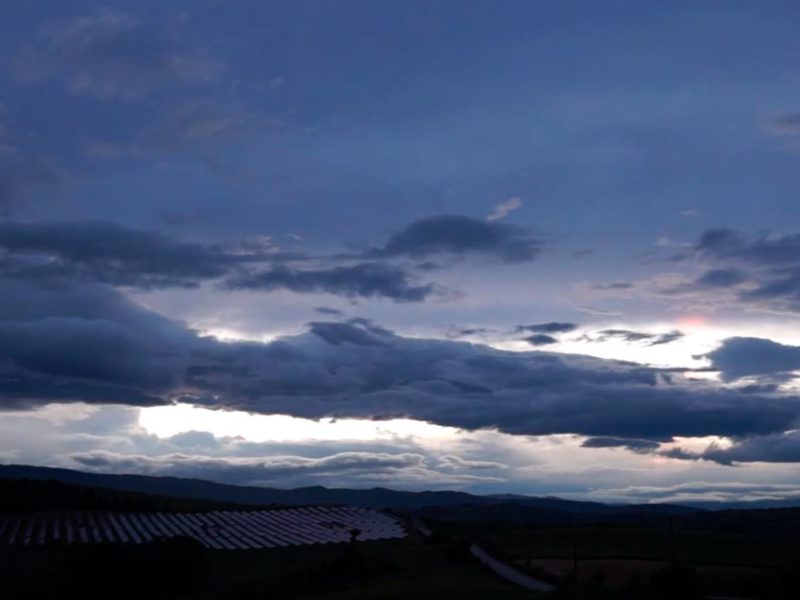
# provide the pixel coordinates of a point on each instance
(370, 498)
(33, 495)
(208, 490)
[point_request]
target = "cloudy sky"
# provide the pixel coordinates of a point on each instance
(531, 247)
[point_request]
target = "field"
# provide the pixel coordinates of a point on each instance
(702, 547)
(400, 568)
(624, 561)
(93, 543)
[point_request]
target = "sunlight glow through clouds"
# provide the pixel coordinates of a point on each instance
(684, 352)
(232, 335)
(166, 421)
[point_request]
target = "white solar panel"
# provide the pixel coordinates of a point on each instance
(121, 534)
(138, 523)
(218, 530)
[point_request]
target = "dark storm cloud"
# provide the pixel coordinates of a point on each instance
(73, 337)
(460, 235)
(635, 445)
(627, 335)
(776, 448)
(754, 357)
(471, 331)
(471, 386)
(326, 310)
(123, 256)
(22, 389)
(366, 280)
(543, 332)
(614, 285)
(540, 339)
(772, 251)
(364, 334)
(720, 278)
(551, 327)
(784, 284)
(111, 253)
(86, 344)
(773, 448)
(763, 270)
(454, 332)
(758, 388)
(111, 55)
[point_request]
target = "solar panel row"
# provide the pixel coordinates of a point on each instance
(219, 530)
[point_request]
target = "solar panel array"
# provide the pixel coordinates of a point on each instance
(218, 530)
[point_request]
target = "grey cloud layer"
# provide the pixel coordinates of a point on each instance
(460, 235)
(627, 335)
(774, 448)
(362, 467)
(550, 327)
(366, 280)
(540, 339)
(706, 490)
(742, 357)
(543, 333)
(612, 442)
(270, 469)
(752, 269)
(114, 254)
(108, 350)
(64, 342)
(123, 256)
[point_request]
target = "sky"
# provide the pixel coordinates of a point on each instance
(547, 248)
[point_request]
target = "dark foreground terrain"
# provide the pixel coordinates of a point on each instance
(730, 554)
(586, 550)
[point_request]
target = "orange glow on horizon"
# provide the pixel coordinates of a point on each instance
(693, 321)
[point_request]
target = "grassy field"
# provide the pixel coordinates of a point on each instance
(407, 568)
(650, 543)
(627, 562)
(614, 562)
(686, 546)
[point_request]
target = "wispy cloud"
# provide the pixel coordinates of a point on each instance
(502, 210)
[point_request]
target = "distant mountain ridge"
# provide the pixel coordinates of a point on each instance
(208, 490)
(368, 498)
